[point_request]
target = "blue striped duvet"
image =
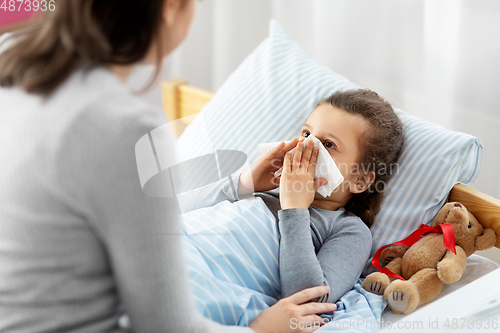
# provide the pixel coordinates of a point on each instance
(232, 251)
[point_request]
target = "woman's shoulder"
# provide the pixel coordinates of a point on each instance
(98, 123)
(93, 107)
(97, 93)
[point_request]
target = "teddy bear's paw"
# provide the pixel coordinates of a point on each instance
(390, 258)
(375, 287)
(398, 301)
(402, 296)
(449, 273)
(376, 283)
(391, 253)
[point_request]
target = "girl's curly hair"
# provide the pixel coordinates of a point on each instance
(380, 146)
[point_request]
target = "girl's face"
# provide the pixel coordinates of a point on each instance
(340, 132)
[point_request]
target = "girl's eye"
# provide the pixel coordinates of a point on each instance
(305, 134)
(329, 144)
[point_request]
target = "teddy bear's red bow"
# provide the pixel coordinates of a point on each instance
(448, 240)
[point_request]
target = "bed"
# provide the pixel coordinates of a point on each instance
(182, 102)
(280, 78)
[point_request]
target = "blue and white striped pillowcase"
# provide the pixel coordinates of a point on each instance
(270, 95)
(433, 160)
(254, 102)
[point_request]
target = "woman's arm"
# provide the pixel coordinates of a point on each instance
(338, 263)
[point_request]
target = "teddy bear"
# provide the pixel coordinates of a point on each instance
(429, 262)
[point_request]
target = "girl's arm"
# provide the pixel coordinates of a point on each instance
(340, 259)
(212, 194)
(258, 178)
(338, 264)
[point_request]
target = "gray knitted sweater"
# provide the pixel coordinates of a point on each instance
(80, 243)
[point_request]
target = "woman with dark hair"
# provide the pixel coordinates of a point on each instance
(80, 243)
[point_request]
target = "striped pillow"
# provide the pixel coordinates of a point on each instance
(268, 98)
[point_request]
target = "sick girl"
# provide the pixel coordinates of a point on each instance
(324, 240)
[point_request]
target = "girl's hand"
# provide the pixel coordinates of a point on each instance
(260, 176)
(297, 183)
(293, 314)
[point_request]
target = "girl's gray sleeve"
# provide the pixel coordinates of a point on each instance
(338, 264)
(210, 195)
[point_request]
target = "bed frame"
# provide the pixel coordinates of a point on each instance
(181, 102)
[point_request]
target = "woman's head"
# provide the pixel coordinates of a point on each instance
(364, 137)
(104, 32)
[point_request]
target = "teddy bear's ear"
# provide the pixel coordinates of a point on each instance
(486, 240)
(441, 215)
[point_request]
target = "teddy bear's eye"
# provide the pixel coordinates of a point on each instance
(469, 226)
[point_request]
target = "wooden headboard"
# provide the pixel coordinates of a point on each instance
(180, 100)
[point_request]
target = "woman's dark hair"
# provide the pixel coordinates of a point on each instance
(380, 147)
(77, 32)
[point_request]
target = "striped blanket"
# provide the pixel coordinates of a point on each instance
(232, 252)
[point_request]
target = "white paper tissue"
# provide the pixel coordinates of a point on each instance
(325, 166)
